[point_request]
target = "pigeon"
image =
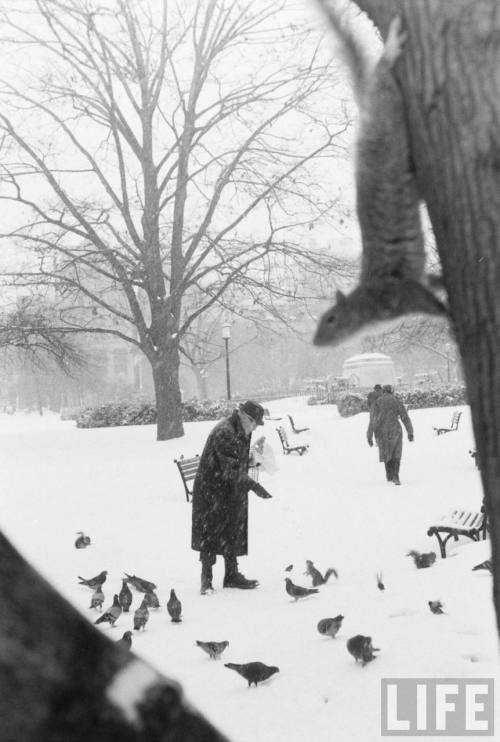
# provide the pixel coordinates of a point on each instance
(289, 568)
(317, 577)
(174, 607)
(422, 560)
(143, 586)
(380, 584)
(487, 564)
(361, 648)
(112, 614)
(296, 591)
(141, 616)
(82, 541)
(94, 582)
(330, 626)
(126, 641)
(436, 606)
(254, 672)
(125, 596)
(213, 649)
(97, 599)
(151, 599)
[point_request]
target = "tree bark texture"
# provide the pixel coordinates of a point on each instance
(168, 395)
(449, 75)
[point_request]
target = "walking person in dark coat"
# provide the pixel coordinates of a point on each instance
(385, 414)
(220, 496)
(373, 395)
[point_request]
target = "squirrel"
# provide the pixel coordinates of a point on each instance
(392, 280)
(315, 574)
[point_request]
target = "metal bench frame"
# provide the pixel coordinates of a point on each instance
(287, 448)
(189, 467)
(469, 523)
(292, 425)
(455, 419)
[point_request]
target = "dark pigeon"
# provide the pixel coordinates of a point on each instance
(143, 586)
(297, 592)
(253, 672)
(126, 641)
(361, 648)
(125, 596)
(330, 626)
(94, 582)
(113, 613)
(213, 649)
(174, 607)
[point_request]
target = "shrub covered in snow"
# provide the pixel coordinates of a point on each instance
(144, 413)
(349, 404)
(449, 396)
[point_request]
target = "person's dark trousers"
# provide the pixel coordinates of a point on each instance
(395, 470)
(389, 472)
(231, 566)
(207, 562)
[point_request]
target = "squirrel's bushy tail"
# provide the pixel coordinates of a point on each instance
(353, 51)
(329, 572)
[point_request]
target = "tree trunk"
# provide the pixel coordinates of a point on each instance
(168, 395)
(450, 83)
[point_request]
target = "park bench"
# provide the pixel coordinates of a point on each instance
(267, 415)
(469, 523)
(189, 467)
(292, 424)
(287, 448)
(455, 419)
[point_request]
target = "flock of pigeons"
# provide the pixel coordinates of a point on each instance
(359, 646)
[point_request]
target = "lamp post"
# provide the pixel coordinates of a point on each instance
(226, 334)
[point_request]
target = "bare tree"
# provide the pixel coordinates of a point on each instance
(28, 329)
(448, 78)
(152, 152)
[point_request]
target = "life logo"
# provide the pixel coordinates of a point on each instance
(422, 707)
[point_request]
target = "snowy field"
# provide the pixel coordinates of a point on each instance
(332, 506)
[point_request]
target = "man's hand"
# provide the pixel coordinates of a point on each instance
(260, 491)
(370, 442)
(410, 437)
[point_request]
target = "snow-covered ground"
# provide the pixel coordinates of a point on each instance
(332, 506)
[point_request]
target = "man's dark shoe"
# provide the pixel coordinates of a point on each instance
(240, 581)
(206, 587)
(396, 480)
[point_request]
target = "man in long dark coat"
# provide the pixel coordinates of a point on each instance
(373, 395)
(220, 496)
(385, 414)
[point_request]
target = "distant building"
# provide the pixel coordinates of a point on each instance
(368, 369)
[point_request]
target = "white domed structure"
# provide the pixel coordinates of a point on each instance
(368, 369)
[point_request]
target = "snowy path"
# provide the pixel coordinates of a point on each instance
(332, 506)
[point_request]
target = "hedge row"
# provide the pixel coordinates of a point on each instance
(351, 403)
(348, 404)
(144, 413)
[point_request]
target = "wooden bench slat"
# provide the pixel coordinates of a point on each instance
(189, 467)
(455, 419)
(287, 448)
(457, 523)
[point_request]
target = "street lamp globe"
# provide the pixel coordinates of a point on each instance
(226, 330)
